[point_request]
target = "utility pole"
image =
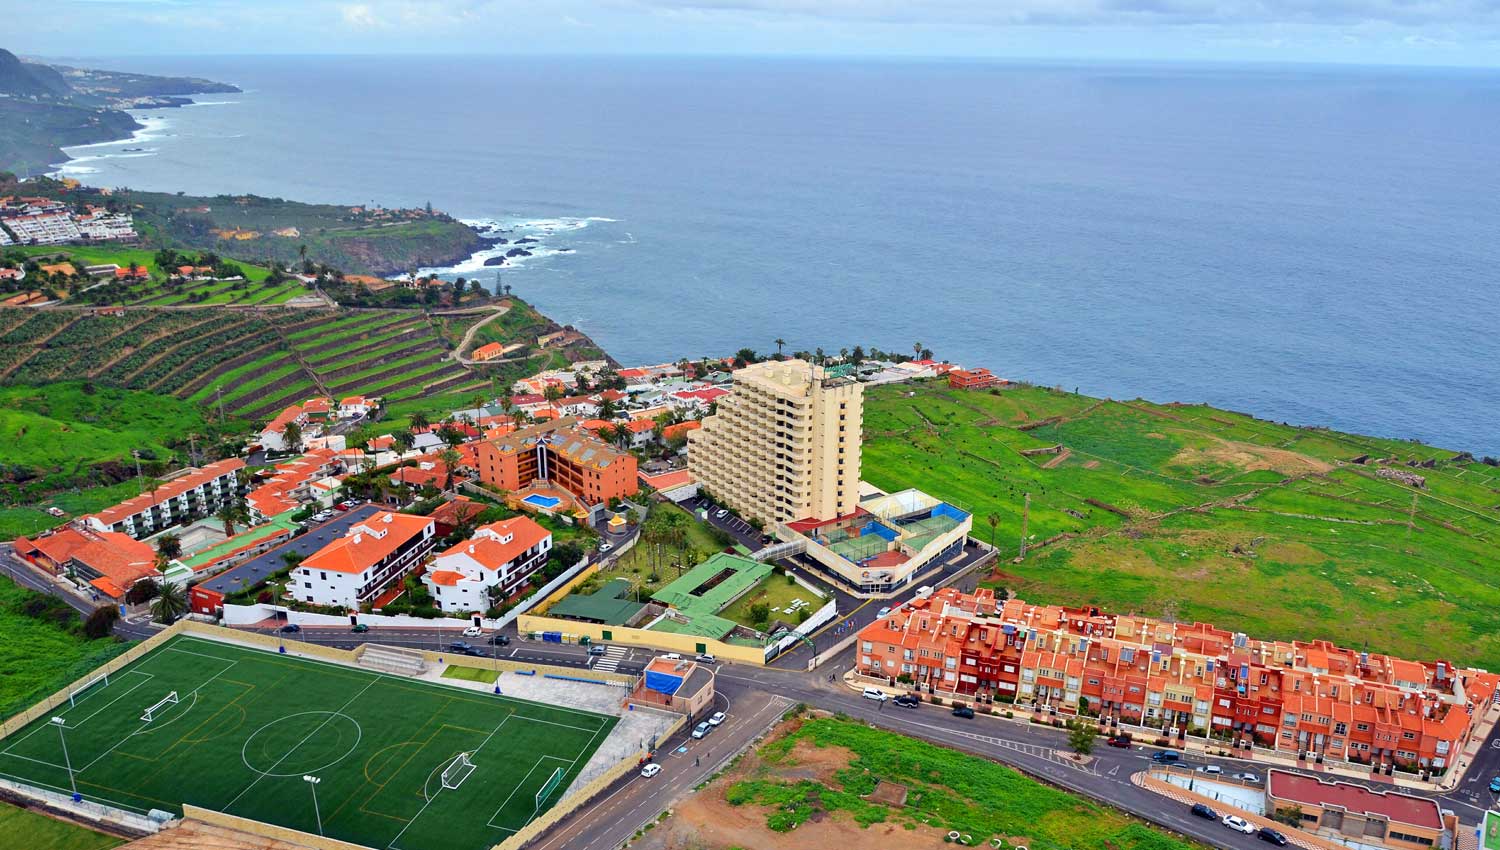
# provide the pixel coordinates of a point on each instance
(219, 391)
(1025, 521)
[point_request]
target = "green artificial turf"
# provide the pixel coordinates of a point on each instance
(249, 724)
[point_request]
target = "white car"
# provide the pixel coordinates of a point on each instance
(716, 718)
(473, 631)
(1248, 777)
(606, 546)
(720, 513)
(1238, 824)
(702, 730)
(650, 770)
(672, 656)
(1211, 770)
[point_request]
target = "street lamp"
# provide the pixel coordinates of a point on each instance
(312, 782)
(62, 724)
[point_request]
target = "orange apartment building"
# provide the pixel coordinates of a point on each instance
(1314, 699)
(972, 379)
(562, 455)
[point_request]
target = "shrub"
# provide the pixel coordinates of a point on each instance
(101, 621)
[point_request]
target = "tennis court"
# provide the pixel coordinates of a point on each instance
(400, 763)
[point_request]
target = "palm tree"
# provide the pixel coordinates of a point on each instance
(450, 458)
(994, 521)
(779, 343)
(403, 440)
(231, 512)
(169, 546)
(170, 603)
(419, 421)
(917, 349)
(293, 436)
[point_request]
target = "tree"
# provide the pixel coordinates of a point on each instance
(760, 613)
(170, 604)
(403, 440)
(293, 436)
(451, 458)
(994, 520)
(552, 393)
(169, 546)
(917, 349)
(419, 421)
(142, 592)
(101, 621)
(779, 344)
(1080, 736)
(1289, 815)
(231, 512)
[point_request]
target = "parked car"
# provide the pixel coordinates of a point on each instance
(1205, 812)
(1248, 777)
(705, 658)
(1266, 833)
(1238, 824)
(1211, 769)
(908, 700)
(882, 612)
(672, 656)
(650, 770)
(359, 628)
(717, 718)
(349, 503)
(290, 628)
(1495, 785)
(1167, 757)
(606, 546)
(473, 631)
(963, 711)
(721, 513)
(702, 730)
(875, 694)
(499, 640)
(596, 650)
(1119, 741)
(459, 646)
(474, 650)
(322, 516)
(340, 506)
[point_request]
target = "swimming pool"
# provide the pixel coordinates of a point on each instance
(547, 502)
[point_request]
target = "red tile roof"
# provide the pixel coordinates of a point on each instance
(120, 559)
(1398, 807)
(367, 543)
(486, 548)
(176, 487)
(447, 578)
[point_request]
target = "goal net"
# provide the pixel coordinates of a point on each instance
(457, 771)
(548, 789)
(151, 713)
(87, 688)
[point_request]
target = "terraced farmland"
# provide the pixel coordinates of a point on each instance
(252, 362)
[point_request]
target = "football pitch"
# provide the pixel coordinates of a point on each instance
(401, 764)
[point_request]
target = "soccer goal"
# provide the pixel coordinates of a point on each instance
(548, 789)
(88, 688)
(151, 713)
(457, 771)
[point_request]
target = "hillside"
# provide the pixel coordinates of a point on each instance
(1205, 514)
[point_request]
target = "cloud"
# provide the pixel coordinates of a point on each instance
(991, 13)
(360, 16)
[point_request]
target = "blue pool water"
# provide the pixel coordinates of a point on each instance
(548, 502)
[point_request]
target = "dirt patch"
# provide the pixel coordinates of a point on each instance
(1093, 464)
(890, 793)
(1249, 457)
(809, 761)
(1058, 459)
(1299, 554)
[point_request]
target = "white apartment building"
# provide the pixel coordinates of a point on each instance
(502, 555)
(356, 567)
(49, 228)
(191, 494)
(784, 444)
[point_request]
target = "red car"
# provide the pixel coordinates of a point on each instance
(1122, 743)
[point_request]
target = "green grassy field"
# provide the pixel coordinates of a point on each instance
(946, 789)
(39, 655)
(637, 564)
(157, 291)
(1491, 831)
(773, 590)
(20, 828)
(1208, 515)
(249, 724)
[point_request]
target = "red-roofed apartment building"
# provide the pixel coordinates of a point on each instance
(1301, 698)
(502, 554)
(193, 493)
(292, 484)
(108, 561)
(561, 455)
(1341, 810)
(356, 567)
(273, 436)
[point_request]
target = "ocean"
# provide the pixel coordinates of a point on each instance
(1315, 245)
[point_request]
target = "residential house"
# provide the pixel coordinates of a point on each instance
(356, 406)
(273, 436)
(189, 494)
(502, 555)
(356, 567)
(110, 562)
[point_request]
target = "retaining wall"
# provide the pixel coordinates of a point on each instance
(266, 830)
(669, 641)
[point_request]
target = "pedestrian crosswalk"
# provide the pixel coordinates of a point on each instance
(610, 660)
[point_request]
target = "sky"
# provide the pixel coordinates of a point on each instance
(1386, 32)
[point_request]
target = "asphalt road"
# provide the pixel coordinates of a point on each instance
(134, 628)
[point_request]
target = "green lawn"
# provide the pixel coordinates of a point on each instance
(29, 519)
(472, 674)
(773, 590)
(1211, 515)
(249, 724)
(21, 828)
(946, 790)
(643, 559)
(39, 655)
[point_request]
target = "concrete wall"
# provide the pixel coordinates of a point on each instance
(829, 611)
(266, 830)
(666, 641)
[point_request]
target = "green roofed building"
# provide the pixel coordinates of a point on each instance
(695, 600)
(610, 605)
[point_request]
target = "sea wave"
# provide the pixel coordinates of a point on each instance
(539, 232)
